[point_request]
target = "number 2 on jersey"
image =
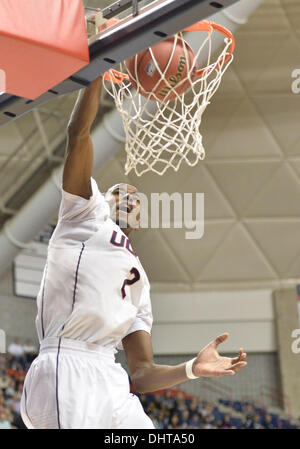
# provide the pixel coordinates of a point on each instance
(136, 277)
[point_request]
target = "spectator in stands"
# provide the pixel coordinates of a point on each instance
(185, 419)
(153, 408)
(14, 403)
(4, 420)
(208, 422)
(20, 388)
(226, 424)
(17, 421)
(267, 424)
(248, 422)
(195, 421)
(30, 352)
(162, 420)
(248, 410)
(257, 422)
(5, 382)
(2, 400)
(206, 413)
(16, 353)
(174, 421)
(200, 403)
(194, 407)
(11, 388)
(167, 414)
(2, 365)
(218, 424)
(169, 401)
(181, 404)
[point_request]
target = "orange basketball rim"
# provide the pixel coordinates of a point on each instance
(204, 25)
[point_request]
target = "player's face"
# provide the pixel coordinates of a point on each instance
(125, 207)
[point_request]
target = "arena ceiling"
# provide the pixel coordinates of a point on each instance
(250, 177)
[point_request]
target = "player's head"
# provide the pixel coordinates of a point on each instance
(124, 203)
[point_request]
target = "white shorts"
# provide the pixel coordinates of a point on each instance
(78, 385)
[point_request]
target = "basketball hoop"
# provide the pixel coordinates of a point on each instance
(161, 133)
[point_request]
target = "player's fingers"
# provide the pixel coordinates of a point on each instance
(220, 339)
(242, 354)
(234, 361)
(240, 358)
(238, 366)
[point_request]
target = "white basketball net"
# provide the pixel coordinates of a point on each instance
(160, 134)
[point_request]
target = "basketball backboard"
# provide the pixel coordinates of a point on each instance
(140, 24)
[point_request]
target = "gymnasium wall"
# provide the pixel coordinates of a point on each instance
(185, 322)
(287, 321)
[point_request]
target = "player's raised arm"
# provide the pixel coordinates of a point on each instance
(79, 153)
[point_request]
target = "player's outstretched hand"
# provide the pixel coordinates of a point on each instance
(210, 364)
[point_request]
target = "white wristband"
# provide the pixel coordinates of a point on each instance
(189, 369)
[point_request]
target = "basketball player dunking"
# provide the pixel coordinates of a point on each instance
(94, 298)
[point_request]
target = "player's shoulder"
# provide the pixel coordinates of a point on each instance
(77, 208)
(71, 196)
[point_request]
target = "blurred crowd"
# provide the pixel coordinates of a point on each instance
(174, 409)
(170, 409)
(13, 367)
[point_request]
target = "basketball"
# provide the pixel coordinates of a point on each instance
(175, 63)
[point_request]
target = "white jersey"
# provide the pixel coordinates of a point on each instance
(94, 288)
